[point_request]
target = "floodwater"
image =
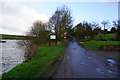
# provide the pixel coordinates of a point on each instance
(12, 55)
(80, 63)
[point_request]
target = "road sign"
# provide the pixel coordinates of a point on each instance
(99, 33)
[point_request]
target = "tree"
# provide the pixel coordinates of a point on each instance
(83, 30)
(105, 23)
(79, 31)
(116, 23)
(97, 30)
(94, 25)
(40, 32)
(118, 30)
(88, 28)
(61, 21)
(38, 35)
(113, 30)
(89, 31)
(118, 33)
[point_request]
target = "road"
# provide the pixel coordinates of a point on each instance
(80, 63)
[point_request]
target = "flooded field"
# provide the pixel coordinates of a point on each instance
(11, 55)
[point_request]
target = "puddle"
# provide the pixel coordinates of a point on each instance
(68, 57)
(102, 72)
(98, 69)
(75, 43)
(89, 57)
(81, 42)
(111, 62)
(82, 63)
(109, 71)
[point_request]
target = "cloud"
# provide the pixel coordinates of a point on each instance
(64, 0)
(16, 18)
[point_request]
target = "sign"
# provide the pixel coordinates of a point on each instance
(99, 33)
(52, 36)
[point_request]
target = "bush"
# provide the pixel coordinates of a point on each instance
(118, 34)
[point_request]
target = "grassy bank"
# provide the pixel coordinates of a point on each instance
(7, 36)
(17, 37)
(97, 45)
(106, 36)
(46, 55)
(102, 36)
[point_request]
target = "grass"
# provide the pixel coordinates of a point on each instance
(7, 36)
(86, 39)
(18, 37)
(46, 55)
(97, 45)
(106, 36)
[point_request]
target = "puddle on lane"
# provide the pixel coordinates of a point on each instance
(111, 62)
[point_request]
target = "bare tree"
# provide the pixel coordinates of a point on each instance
(95, 25)
(116, 23)
(61, 21)
(113, 30)
(105, 23)
(79, 31)
(89, 30)
(38, 35)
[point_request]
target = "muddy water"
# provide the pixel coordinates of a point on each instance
(81, 63)
(11, 55)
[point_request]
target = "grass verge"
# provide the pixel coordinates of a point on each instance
(97, 45)
(6, 36)
(102, 36)
(106, 36)
(35, 68)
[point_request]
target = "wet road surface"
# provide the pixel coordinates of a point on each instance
(80, 63)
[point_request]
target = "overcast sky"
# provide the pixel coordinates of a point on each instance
(17, 17)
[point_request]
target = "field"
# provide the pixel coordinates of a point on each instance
(102, 36)
(6, 36)
(46, 55)
(16, 37)
(97, 45)
(106, 36)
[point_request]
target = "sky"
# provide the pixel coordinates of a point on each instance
(17, 17)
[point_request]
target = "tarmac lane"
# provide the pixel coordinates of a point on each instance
(81, 63)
